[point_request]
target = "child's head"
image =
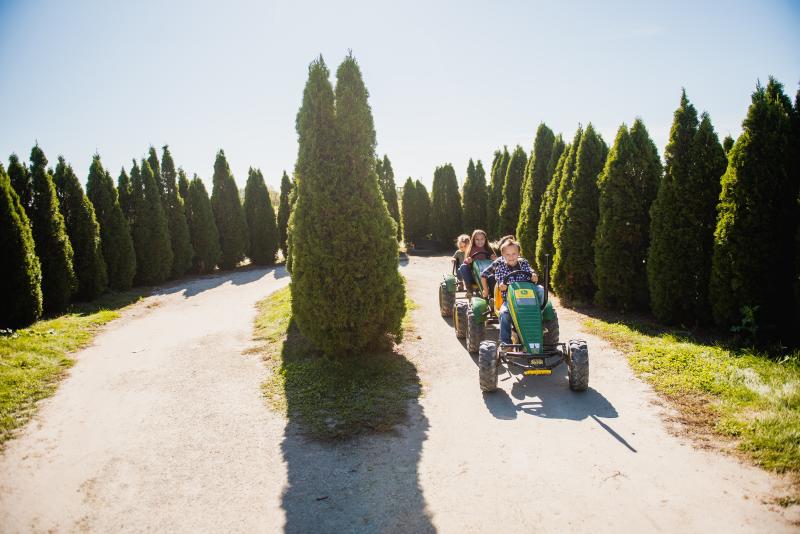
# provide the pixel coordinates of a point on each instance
(462, 242)
(510, 251)
(478, 240)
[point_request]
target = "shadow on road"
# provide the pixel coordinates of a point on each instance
(241, 276)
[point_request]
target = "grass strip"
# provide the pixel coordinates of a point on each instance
(331, 398)
(737, 393)
(34, 359)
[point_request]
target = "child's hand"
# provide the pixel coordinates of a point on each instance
(467, 260)
(485, 293)
(503, 287)
(493, 257)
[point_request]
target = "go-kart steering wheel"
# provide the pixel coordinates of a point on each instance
(526, 274)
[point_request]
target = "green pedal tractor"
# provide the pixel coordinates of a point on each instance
(459, 302)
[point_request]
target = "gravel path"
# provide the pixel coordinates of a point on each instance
(161, 427)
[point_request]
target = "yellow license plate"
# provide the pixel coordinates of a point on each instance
(537, 361)
(537, 372)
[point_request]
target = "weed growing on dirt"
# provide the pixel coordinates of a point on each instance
(33, 359)
(331, 398)
(742, 394)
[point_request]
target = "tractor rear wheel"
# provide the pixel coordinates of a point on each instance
(550, 329)
(487, 366)
(460, 319)
(446, 300)
(475, 328)
(578, 365)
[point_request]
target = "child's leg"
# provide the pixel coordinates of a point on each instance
(505, 324)
(465, 274)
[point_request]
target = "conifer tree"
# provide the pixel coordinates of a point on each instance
(445, 206)
(125, 195)
(83, 231)
(183, 186)
(423, 210)
(20, 180)
(115, 234)
(262, 227)
(389, 189)
(284, 210)
(727, 144)
(499, 168)
(534, 185)
(175, 211)
(628, 186)
(753, 259)
(509, 207)
(202, 228)
(565, 188)
(544, 241)
(408, 206)
(155, 166)
(20, 271)
(50, 235)
(228, 214)
(475, 197)
(573, 265)
(342, 221)
(149, 228)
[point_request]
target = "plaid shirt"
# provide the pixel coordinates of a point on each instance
(499, 268)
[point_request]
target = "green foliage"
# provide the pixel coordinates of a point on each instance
(20, 180)
(175, 211)
(495, 192)
(115, 234)
(416, 207)
(202, 228)
(183, 186)
(389, 189)
(573, 265)
(83, 231)
(754, 241)
(475, 197)
(125, 195)
(445, 206)
(50, 234)
(20, 271)
(628, 186)
(262, 228)
(149, 228)
(565, 186)
(727, 144)
(347, 293)
(510, 205)
(284, 210)
(533, 188)
(544, 239)
(228, 214)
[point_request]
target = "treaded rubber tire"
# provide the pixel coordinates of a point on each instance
(551, 336)
(487, 366)
(475, 331)
(578, 365)
(446, 300)
(460, 319)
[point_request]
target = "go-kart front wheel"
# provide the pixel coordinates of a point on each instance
(460, 319)
(578, 365)
(446, 300)
(488, 366)
(475, 329)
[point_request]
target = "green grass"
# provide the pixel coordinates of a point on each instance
(32, 360)
(737, 393)
(331, 398)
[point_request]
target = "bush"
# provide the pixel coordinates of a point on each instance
(475, 197)
(150, 233)
(228, 214)
(445, 206)
(262, 229)
(202, 228)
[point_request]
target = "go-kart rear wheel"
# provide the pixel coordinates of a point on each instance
(578, 365)
(446, 300)
(487, 366)
(460, 319)
(475, 330)
(550, 329)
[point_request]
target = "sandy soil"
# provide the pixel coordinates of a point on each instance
(161, 426)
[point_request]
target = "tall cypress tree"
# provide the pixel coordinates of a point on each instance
(202, 228)
(727, 144)
(445, 206)
(83, 231)
(340, 218)
(284, 210)
(50, 234)
(753, 261)
(20, 271)
(628, 186)
(422, 209)
(386, 180)
(509, 207)
(573, 265)
(149, 228)
(228, 214)
(544, 242)
(175, 211)
(536, 181)
(125, 194)
(262, 228)
(499, 168)
(475, 197)
(408, 205)
(20, 180)
(183, 187)
(565, 186)
(115, 234)
(155, 166)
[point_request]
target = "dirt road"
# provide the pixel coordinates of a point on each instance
(161, 427)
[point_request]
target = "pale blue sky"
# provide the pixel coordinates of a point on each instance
(448, 80)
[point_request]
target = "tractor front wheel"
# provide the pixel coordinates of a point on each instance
(446, 300)
(460, 319)
(487, 366)
(475, 328)
(578, 365)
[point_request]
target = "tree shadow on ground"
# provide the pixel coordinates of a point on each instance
(368, 482)
(239, 276)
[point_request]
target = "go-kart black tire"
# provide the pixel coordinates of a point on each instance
(578, 365)
(550, 329)
(487, 366)
(475, 329)
(460, 319)
(446, 300)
